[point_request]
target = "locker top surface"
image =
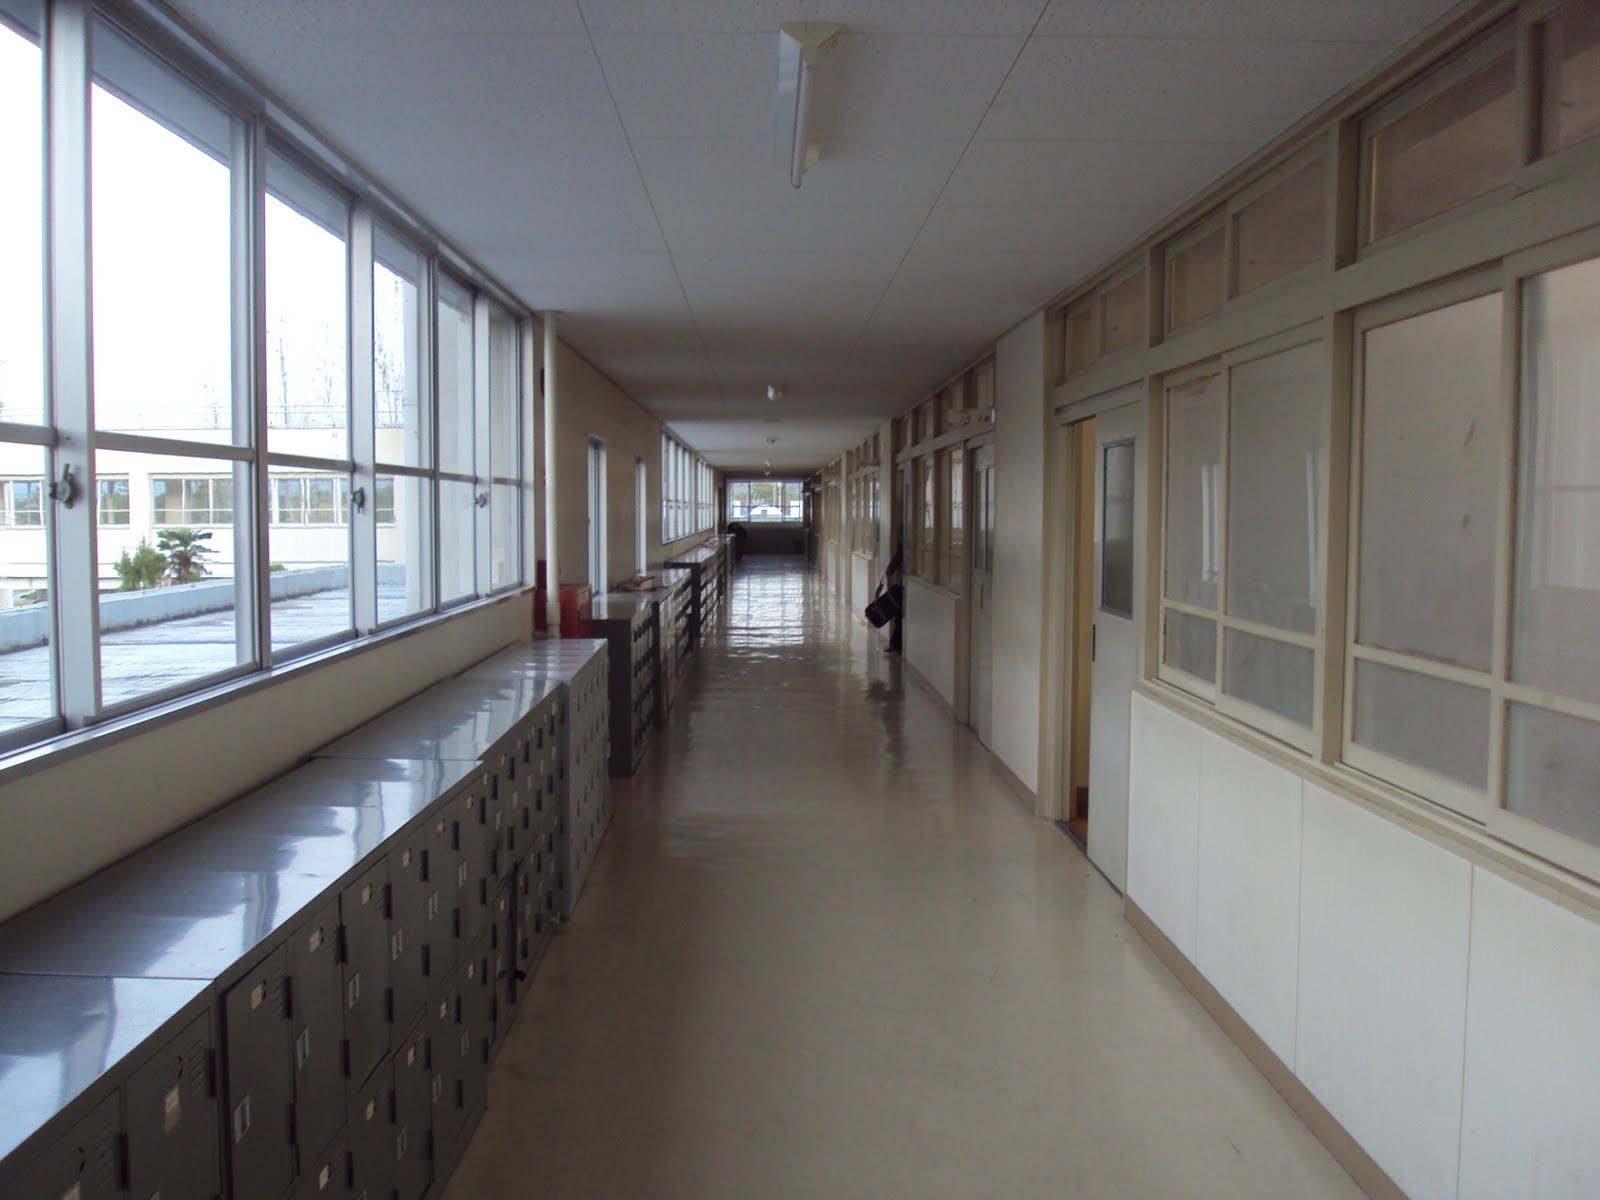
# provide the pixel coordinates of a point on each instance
(546, 663)
(624, 606)
(159, 915)
(697, 557)
(458, 719)
(61, 1035)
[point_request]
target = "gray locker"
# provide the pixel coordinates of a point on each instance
(477, 1030)
(327, 1176)
(316, 1011)
(83, 1165)
(413, 1114)
(256, 1034)
(474, 874)
(364, 913)
(439, 910)
(408, 921)
(503, 964)
(170, 1114)
(444, 1081)
(371, 1130)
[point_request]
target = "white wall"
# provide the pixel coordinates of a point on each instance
(932, 637)
(1442, 1013)
(1021, 413)
(68, 820)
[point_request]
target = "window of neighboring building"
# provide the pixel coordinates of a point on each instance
(21, 503)
(111, 501)
(192, 500)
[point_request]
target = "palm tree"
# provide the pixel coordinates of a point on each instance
(185, 551)
(141, 569)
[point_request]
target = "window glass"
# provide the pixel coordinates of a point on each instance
(21, 223)
(455, 370)
(1553, 761)
(1270, 674)
(1284, 228)
(308, 399)
(504, 547)
(1459, 143)
(1555, 630)
(404, 546)
(1122, 314)
(1190, 644)
(504, 428)
(1572, 75)
(1433, 446)
(401, 418)
(457, 540)
(928, 535)
(1431, 723)
(1275, 407)
(309, 543)
(1195, 278)
(172, 576)
(1116, 529)
(27, 685)
(162, 240)
(1194, 490)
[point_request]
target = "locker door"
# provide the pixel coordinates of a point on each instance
(83, 1165)
(316, 1011)
(171, 1118)
(408, 920)
(371, 1130)
(412, 1116)
(477, 1031)
(502, 965)
(444, 1077)
(364, 913)
(327, 1176)
(260, 1083)
(439, 910)
(473, 869)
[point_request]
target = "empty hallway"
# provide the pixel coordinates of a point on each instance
(826, 952)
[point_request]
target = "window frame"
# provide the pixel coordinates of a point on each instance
(1214, 692)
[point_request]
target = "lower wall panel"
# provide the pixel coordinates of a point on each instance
(931, 636)
(1342, 938)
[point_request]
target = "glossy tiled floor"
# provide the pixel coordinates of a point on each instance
(826, 953)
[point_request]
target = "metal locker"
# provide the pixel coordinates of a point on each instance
(82, 1165)
(256, 1034)
(413, 1115)
(364, 913)
(444, 1078)
(439, 910)
(476, 1031)
(503, 964)
(316, 1011)
(371, 1130)
(170, 1114)
(327, 1176)
(473, 875)
(408, 920)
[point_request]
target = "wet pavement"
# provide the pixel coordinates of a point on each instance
(826, 952)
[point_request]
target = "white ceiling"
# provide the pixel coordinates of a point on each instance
(612, 159)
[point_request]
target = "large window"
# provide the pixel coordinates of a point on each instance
(770, 501)
(203, 490)
(687, 491)
(1241, 582)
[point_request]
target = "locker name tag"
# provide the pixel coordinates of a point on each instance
(366, 893)
(314, 942)
(405, 858)
(172, 1108)
(323, 1177)
(372, 1109)
(258, 995)
(73, 1193)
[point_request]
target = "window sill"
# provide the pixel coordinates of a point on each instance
(64, 747)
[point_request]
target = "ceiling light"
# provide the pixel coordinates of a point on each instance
(774, 392)
(798, 44)
(766, 462)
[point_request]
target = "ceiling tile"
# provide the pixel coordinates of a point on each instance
(954, 17)
(913, 88)
(1090, 174)
(694, 85)
(845, 228)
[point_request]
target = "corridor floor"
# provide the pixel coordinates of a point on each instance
(825, 952)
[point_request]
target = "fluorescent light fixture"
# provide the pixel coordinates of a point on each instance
(798, 44)
(774, 392)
